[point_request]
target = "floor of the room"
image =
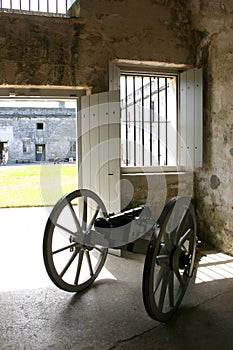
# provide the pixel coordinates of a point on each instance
(110, 315)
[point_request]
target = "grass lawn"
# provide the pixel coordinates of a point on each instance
(35, 185)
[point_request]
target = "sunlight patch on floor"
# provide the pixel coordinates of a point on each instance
(214, 266)
(105, 274)
(33, 279)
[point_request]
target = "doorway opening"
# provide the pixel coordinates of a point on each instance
(40, 153)
(39, 128)
(36, 124)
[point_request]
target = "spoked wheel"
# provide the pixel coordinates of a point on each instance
(170, 259)
(71, 261)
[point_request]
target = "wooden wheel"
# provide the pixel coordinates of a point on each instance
(71, 261)
(170, 259)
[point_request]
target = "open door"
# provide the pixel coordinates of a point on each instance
(99, 147)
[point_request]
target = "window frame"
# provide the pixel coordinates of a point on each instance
(192, 161)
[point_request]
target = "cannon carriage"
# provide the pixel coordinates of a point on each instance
(79, 232)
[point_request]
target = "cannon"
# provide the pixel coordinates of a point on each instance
(79, 231)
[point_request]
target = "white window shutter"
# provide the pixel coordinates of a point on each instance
(190, 121)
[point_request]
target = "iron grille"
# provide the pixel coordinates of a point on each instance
(58, 7)
(148, 120)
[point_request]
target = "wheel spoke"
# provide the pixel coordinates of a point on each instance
(162, 259)
(159, 277)
(73, 256)
(185, 237)
(89, 262)
(181, 225)
(163, 290)
(80, 260)
(77, 224)
(93, 219)
(64, 248)
(84, 222)
(171, 289)
(65, 229)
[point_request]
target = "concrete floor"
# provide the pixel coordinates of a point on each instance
(111, 315)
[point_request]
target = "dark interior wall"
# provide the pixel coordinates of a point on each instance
(150, 30)
(37, 50)
(55, 51)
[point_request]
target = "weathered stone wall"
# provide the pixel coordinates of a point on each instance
(20, 124)
(38, 50)
(44, 51)
(213, 22)
(154, 189)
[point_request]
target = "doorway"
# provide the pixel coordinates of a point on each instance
(28, 186)
(40, 153)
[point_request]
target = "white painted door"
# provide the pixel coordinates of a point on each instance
(99, 147)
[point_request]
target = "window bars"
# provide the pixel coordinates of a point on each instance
(148, 120)
(58, 7)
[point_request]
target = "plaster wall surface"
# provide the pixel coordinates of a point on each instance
(213, 22)
(154, 189)
(44, 51)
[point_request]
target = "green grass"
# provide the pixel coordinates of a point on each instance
(35, 185)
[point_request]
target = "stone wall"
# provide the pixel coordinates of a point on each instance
(213, 23)
(154, 189)
(18, 125)
(44, 51)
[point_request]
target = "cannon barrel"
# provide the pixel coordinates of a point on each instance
(121, 219)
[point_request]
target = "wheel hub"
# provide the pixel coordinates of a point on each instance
(179, 258)
(183, 260)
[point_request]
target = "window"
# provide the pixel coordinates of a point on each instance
(39, 126)
(26, 147)
(161, 114)
(54, 7)
(148, 119)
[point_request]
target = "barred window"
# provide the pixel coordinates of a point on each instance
(48, 7)
(148, 119)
